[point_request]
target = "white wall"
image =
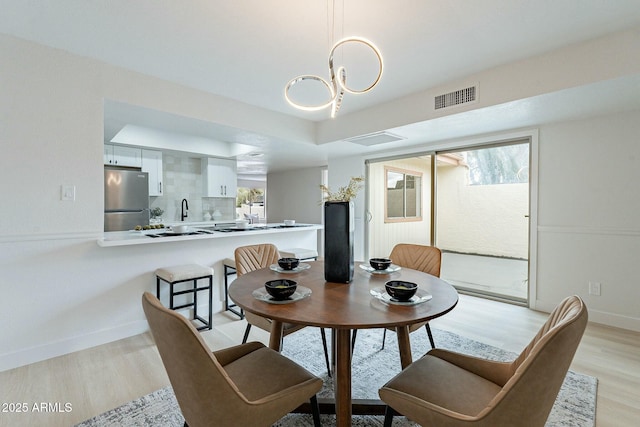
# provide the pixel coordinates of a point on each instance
(340, 173)
(64, 294)
(60, 291)
(588, 213)
(295, 194)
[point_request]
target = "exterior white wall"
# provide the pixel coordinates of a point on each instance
(481, 219)
(478, 219)
(383, 236)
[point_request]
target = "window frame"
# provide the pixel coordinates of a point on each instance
(404, 172)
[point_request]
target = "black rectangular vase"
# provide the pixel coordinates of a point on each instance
(338, 241)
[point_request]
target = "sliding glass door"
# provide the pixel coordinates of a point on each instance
(482, 220)
(473, 204)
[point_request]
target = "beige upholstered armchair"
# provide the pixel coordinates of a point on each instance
(422, 258)
(417, 257)
(245, 385)
(445, 388)
(255, 257)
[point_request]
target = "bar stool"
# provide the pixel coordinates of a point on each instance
(301, 253)
(229, 270)
(186, 273)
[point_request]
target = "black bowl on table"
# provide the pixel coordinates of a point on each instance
(380, 263)
(288, 263)
(401, 290)
(280, 289)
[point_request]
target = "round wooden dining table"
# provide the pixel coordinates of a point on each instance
(345, 307)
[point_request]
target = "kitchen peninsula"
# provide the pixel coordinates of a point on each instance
(306, 235)
(93, 296)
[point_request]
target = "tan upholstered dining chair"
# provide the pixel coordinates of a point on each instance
(255, 257)
(445, 388)
(422, 258)
(244, 385)
(417, 257)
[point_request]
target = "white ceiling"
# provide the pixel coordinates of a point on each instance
(247, 50)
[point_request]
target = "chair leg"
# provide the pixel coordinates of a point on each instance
(315, 410)
(246, 333)
(433, 345)
(389, 412)
(326, 353)
(354, 335)
(384, 337)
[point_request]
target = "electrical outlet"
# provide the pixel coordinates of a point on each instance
(68, 193)
(594, 288)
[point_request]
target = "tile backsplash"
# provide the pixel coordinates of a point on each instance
(182, 179)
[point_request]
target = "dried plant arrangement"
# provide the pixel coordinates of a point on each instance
(344, 194)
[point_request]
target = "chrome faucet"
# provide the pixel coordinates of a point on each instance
(185, 208)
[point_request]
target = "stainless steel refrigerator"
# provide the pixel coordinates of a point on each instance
(126, 199)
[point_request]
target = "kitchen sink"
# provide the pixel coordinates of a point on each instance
(189, 233)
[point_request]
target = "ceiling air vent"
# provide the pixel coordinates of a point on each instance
(457, 97)
(375, 138)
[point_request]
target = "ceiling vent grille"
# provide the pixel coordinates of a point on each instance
(375, 138)
(457, 97)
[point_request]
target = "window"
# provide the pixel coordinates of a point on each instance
(403, 194)
(505, 164)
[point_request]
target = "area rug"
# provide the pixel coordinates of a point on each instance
(575, 405)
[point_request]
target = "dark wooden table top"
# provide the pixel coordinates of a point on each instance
(342, 305)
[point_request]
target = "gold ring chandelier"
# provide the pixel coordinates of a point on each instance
(337, 86)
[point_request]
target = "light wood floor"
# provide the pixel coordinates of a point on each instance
(101, 378)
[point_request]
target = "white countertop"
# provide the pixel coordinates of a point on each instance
(127, 238)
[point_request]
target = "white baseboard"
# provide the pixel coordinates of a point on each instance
(47, 351)
(601, 317)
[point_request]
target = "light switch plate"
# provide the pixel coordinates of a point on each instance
(68, 193)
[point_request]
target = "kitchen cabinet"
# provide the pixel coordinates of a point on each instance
(152, 164)
(220, 177)
(118, 155)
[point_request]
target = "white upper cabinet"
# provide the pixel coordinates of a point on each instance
(117, 155)
(152, 164)
(220, 177)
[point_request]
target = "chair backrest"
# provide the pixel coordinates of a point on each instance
(539, 371)
(418, 257)
(200, 384)
(255, 257)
